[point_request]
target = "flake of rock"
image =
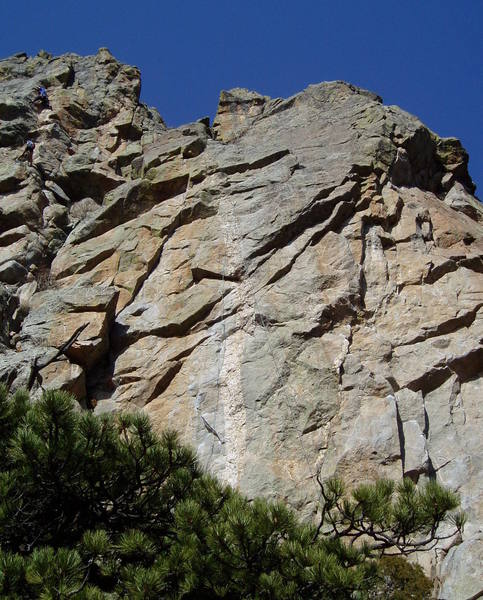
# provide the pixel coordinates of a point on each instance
(11, 175)
(56, 315)
(12, 272)
(63, 375)
(459, 199)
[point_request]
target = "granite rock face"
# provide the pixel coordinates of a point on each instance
(297, 288)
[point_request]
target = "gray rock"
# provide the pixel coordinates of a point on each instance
(287, 289)
(461, 572)
(12, 272)
(415, 459)
(11, 175)
(459, 199)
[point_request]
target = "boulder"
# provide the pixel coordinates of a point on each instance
(12, 272)
(11, 175)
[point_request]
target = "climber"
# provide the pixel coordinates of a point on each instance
(28, 152)
(42, 97)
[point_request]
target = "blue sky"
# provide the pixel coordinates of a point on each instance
(423, 55)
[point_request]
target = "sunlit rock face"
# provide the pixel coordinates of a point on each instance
(295, 289)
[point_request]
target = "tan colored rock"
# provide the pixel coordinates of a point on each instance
(63, 375)
(297, 289)
(56, 315)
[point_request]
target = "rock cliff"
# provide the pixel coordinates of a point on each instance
(295, 288)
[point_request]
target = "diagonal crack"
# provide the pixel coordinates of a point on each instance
(319, 209)
(446, 327)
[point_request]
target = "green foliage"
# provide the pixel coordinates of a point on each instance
(12, 412)
(400, 517)
(102, 507)
(401, 580)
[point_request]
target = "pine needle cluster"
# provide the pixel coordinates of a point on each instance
(98, 507)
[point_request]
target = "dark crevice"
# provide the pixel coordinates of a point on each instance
(393, 383)
(469, 366)
(258, 164)
(268, 160)
(473, 263)
(91, 263)
(246, 190)
(429, 382)
(69, 82)
(431, 471)
(340, 212)
(187, 351)
(163, 382)
(209, 323)
(436, 272)
(319, 210)
(151, 266)
(424, 158)
(426, 422)
(199, 273)
(447, 327)
(139, 198)
(363, 288)
(466, 367)
(248, 272)
(186, 216)
(121, 337)
(400, 433)
(330, 317)
(180, 329)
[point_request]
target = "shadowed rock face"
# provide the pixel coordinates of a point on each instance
(295, 289)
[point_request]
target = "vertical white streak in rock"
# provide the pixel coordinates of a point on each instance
(230, 398)
(233, 408)
(375, 270)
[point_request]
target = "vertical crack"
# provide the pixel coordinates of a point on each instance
(400, 433)
(430, 467)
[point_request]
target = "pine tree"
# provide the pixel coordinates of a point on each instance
(103, 507)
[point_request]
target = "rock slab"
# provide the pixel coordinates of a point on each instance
(297, 288)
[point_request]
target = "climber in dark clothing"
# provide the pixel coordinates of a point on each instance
(28, 153)
(42, 97)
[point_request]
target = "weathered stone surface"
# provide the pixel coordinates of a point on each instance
(11, 175)
(459, 199)
(304, 279)
(461, 572)
(12, 272)
(72, 324)
(63, 375)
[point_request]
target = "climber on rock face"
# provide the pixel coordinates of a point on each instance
(28, 152)
(42, 97)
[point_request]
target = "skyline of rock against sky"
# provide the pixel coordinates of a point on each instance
(422, 56)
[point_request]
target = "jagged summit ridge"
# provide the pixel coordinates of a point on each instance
(297, 287)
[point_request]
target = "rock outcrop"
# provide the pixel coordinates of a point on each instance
(297, 288)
